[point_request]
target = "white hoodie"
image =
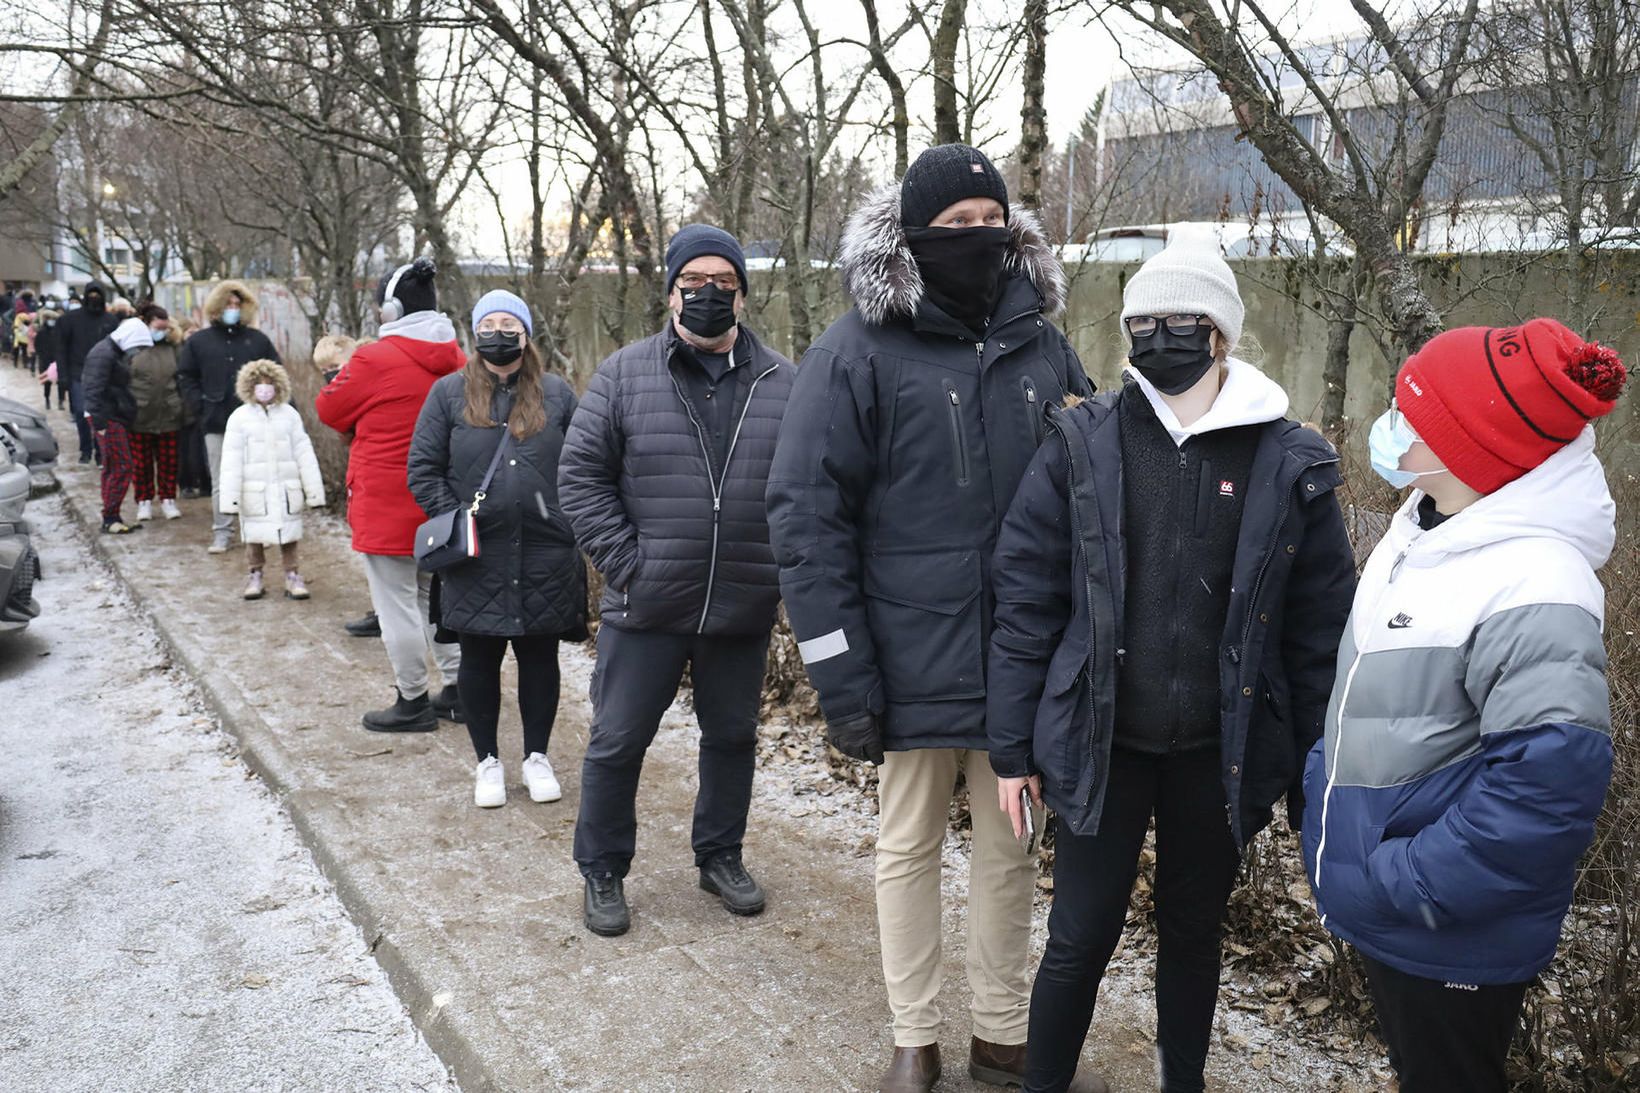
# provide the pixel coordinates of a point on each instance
(1247, 397)
(133, 336)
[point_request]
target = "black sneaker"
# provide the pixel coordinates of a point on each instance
(447, 704)
(725, 877)
(606, 911)
(404, 715)
(85, 457)
(368, 627)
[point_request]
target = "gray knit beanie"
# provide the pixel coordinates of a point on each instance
(1189, 277)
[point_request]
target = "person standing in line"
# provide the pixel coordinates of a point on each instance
(160, 413)
(269, 474)
(913, 417)
(78, 330)
(111, 406)
(1468, 742)
(663, 477)
(207, 369)
(1171, 581)
(45, 353)
(375, 399)
(527, 587)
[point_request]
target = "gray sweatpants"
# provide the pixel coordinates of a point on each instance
(220, 521)
(398, 592)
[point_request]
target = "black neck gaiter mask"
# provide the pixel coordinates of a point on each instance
(1173, 363)
(961, 270)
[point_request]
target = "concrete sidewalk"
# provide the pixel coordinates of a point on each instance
(476, 914)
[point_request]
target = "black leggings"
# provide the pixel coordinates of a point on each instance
(479, 682)
(1196, 865)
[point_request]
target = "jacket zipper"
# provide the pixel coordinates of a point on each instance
(1031, 410)
(1343, 702)
(958, 437)
(717, 485)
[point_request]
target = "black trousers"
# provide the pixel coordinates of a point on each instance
(635, 681)
(479, 683)
(1444, 1036)
(1196, 865)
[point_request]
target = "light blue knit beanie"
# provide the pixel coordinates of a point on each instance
(499, 299)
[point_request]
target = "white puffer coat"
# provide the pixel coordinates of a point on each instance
(269, 471)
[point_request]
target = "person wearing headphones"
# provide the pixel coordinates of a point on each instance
(376, 397)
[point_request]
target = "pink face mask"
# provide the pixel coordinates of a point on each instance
(264, 393)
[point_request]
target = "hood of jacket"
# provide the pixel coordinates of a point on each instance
(216, 302)
(1563, 498)
(881, 274)
(263, 371)
(421, 326)
(132, 335)
(1247, 397)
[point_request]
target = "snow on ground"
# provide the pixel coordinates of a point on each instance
(164, 926)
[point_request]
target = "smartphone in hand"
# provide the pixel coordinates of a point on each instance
(1027, 838)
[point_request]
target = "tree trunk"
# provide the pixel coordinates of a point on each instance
(900, 122)
(1335, 370)
(1033, 116)
(947, 126)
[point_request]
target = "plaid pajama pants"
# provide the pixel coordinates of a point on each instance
(115, 445)
(154, 456)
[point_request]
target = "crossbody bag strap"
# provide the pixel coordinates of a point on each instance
(495, 461)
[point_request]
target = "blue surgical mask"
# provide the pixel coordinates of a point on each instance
(231, 316)
(159, 335)
(1390, 439)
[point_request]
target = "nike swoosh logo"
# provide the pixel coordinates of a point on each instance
(1393, 625)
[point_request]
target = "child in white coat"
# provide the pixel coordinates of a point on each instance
(269, 473)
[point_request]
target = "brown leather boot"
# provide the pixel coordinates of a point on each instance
(1004, 1064)
(913, 1070)
(996, 1064)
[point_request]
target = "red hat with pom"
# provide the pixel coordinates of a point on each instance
(1494, 402)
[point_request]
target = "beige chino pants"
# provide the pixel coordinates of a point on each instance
(914, 792)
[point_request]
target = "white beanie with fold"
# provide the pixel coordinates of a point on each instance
(1189, 277)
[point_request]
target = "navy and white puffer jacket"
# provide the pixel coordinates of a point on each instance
(683, 545)
(1468, 741)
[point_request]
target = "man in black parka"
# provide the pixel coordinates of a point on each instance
(77, 332)
(663, 476)
(913, 417)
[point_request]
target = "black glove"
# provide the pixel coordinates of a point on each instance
(858, 737)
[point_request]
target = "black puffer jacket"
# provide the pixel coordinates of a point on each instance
(77, 332)
(528, 577)
(900, 454)
(680, 553)
(107, 379)
(208, 364)
(1061, 619)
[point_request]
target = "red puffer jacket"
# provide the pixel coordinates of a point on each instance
(376, 396)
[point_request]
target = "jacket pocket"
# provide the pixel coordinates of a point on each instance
(253, 499)
(959, 434)
(925, 620)
(1062, 729)
(295, 500)
(1033, 409)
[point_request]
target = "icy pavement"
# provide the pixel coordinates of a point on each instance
(163, 926)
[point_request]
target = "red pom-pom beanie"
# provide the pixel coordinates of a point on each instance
(1494, 402)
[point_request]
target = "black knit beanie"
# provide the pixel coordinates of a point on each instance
(944, 175)
(415, 288)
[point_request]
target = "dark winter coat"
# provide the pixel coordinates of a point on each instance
(1055, 659)
(107, 380)
(900, 454)
(46, 340)
(683, 545)
(160, 407)
(528, 577)
(77, 332)
(212, 356)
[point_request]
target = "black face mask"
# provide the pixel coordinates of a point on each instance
(94, 305)
(961, 270)
(1173, 363)
(708, 311)
(499, 347)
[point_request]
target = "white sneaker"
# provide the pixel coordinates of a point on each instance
(145, 510)
(490, 790)
(220, 540)
(169, 508)
(540, 780)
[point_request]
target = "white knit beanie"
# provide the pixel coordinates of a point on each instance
(1189, 277)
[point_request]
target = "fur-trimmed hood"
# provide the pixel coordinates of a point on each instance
(216, 302)
(881, 275)
(263, 371)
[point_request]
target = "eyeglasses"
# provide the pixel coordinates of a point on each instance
(1143, 326)
(728, 282)
(503, 326)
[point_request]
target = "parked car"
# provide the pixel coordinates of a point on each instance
(29, 426)
(19, 564)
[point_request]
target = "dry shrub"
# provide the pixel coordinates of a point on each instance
(329, 445)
